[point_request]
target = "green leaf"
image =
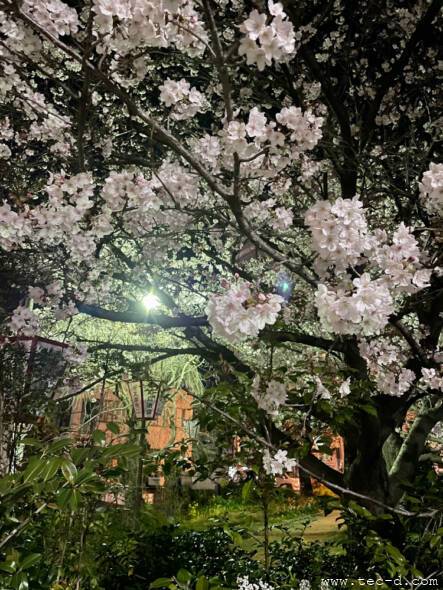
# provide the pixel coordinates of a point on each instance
(23, 582)
(183, 576)
(74, 500)
(52, 466)
(20, 581)
(7, 567)
(85, 475)
(121, 450)
(372, 410)
(246, 490)
(237, 539)
(395, 553)
(99, 437)
(113, 427)
(34, 469)
(59, 445)
(361, 510)
(69, 470)
(31, 442)
(202, 583)
(30, 560)
(160, 583)
(63, 497)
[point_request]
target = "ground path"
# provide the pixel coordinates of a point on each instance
(322, 527)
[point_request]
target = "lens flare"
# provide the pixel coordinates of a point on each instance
(150, 301)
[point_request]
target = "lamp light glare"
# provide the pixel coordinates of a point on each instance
(150, 301)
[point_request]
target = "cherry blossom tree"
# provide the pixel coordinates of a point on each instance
(269, 172)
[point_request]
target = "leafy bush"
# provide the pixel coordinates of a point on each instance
(293, 559)
(55, 531)
(151, 555)
(212, 553)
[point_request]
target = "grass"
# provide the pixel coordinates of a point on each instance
(293, 516)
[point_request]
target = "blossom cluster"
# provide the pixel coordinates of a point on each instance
(208, 149)
(322, 392)
(278, 463)
(247, 140)
(362, 310)
(238, 473)
(23, 322)
(58, 220)
(129, 189)
(241, 312)
(279, 218)
(185, 101)
(54, 129)
(401, 262)
(5, 152)
(263, 43)
(75, 354)
(431, 189)
(66, 216)
(166, 199)
(386, 361)
(431, 378)
(125, 25)
(46, 123)
(271, 398)
(52, 296)
(342, 240)
(243, 583)
(175, 182)
(306, 585)
(305, 127)
(339, 233)
(54, 16)
(266, 147)
(20, 38)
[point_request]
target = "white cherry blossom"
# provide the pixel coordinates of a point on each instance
(264, 43)
(278, 463)
(23, 322)
(243, 583)
(242, 312)
(271, 398)
(431, 189)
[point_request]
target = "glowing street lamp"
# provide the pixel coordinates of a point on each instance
(150, 301)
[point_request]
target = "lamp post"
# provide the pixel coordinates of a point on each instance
(141, 413)
(143, 410)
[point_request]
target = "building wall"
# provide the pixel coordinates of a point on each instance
(168, 428)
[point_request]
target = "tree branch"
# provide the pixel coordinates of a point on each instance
(130, 317)
(301, 338)
(142, 348)
(388, 79)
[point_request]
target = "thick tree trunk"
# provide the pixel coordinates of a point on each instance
(366, 470)
(405, 466)
(380, 462)
(370, 478)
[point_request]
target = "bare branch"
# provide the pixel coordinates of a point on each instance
(130, 317)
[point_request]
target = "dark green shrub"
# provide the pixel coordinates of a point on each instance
(212, 553)
(131, 561)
